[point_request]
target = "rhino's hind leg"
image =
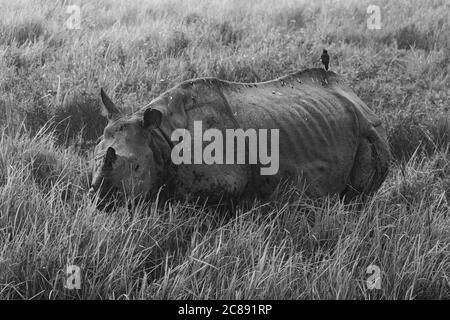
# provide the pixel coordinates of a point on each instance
(370, 167)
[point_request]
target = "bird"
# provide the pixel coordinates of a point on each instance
(325, 58)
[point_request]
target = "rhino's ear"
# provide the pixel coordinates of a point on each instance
(109, 109)
(152, 118)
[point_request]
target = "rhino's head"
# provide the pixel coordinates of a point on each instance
(124, 160)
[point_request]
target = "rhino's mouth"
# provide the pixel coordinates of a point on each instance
(105, 195)
(105, 188)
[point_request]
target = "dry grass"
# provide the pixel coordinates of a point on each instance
(279, 250)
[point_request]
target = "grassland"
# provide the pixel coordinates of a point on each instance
(49, 118)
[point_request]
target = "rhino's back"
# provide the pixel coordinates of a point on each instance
(318, 128)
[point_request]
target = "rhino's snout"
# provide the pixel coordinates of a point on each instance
(115, 169)
(109, 159)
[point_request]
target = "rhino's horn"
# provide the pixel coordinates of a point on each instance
(110, 157)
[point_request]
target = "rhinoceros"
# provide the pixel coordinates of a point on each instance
(329, 140)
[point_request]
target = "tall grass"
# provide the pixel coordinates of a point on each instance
(298, 249)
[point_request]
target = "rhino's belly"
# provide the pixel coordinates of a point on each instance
(212, 182)
(315, 177)
(321, 160)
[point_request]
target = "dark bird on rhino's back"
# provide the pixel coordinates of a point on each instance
(329, 140)
(325, 58)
